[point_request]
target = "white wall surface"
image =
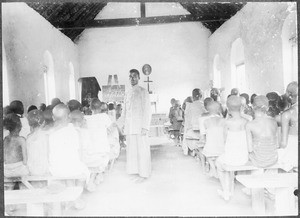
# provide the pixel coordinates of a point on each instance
(26, 36)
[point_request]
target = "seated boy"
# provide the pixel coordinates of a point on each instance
(37, 144)
(98, 152)
(288, 152)
(262, 135)
(14, 148)
(17, 107)
(64, 156)
(236, 150)
(213, 129)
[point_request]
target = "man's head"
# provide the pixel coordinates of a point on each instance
(30, 108)
(235, 91)
(261, 104)
(35, 118)
(48, 116)
(173, 100)
(74, 105)
(292, 91)
(12, 123)
(96, 105)
(252, 98)
(246, 96)
(42, 107)
(17, 107)
(197, 94)
(234, 103)
(60, 113)
(214, 94)
(134, 77)
(103, 107)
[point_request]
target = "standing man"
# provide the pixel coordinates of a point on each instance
(135, 118)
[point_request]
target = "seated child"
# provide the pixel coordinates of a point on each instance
(262, 135)
(14, 148)
(64, 156)
(98, 152)
(37, 144)
(17, 107)
(176, 118)
(213, 128)
(288, 152)
(236, 150)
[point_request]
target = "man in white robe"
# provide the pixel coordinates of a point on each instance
(135, 118)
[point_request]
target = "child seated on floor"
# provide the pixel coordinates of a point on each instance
(98, 152)
(212, 128)
(37, 144)
(236, 150)
(262, 135)
(14, 148)
(64, 156)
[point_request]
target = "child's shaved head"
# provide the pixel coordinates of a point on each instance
(214, 107)
(60, 112)
(234, 103)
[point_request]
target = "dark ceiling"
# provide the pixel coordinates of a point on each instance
(71, 18)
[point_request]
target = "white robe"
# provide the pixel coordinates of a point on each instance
(136, 115)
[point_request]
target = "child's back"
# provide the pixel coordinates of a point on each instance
(236, 151)
(14, 148)
(262, 135)
(214, 130)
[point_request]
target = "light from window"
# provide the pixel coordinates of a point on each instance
(217, 72)
(5, 79)
(72, 82)
(49, 79)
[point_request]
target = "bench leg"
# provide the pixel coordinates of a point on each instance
(285, 201)
(35, 209)
(258, 201)
(56, 210)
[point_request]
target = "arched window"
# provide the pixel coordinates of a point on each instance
(217, 72)
(290, 49)
(5, 79)
(238, 73)
(49, 80)
(72, 82)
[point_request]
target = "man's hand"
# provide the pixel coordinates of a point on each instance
(144, 131)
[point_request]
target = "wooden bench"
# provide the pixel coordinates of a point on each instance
(284, 184)
(27, 179)
(35, 198)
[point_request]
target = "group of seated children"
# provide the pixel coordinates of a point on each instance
(238, 135)
(63, 142)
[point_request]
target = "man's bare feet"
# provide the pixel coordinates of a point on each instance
(140, 179)
(225, 195)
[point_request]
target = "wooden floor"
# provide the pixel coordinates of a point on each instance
(177, 187)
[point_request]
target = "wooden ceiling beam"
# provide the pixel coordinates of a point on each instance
(131, 22)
